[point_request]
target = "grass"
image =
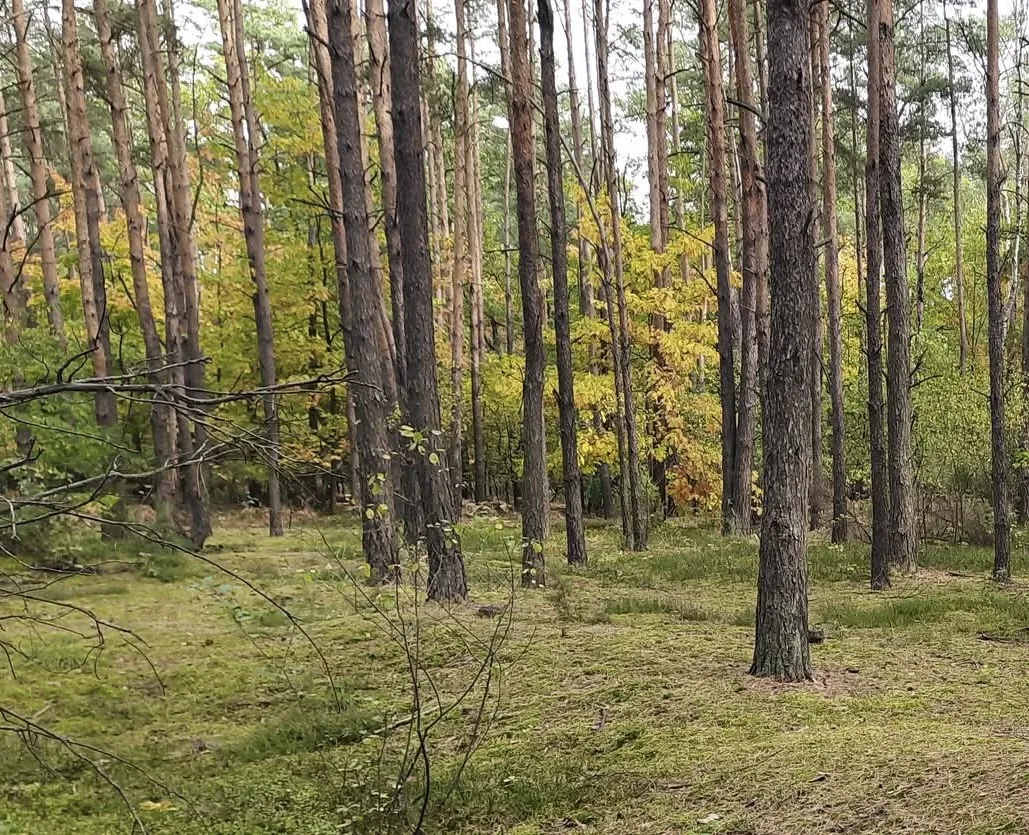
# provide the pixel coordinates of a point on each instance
(620, 702)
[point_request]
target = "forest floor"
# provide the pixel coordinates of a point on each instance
(618, 698)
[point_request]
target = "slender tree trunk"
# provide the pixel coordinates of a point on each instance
(755, 270)
(460, 266)
(534, 474)
(636, 511)
(781, 635)
(880, 563)
(33, 137)
(817, 486)
(575, 537)
(446, 580)
(245, 133)
(168, 140)
(87, 216)
(363, 347)
(903, 544)
(161, 418)
(715, 110)
(478, 338)
(833, 286)
(10, 179)
(1001, 522)
(959, 267)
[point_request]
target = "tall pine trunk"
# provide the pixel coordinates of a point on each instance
(363, 347)
(781, 635)
(833, 286)
(86, 200)
(714, 101)
(33, 137)
(998, 445)
(880, 562)
(903, 544)
(959, 257)
(535, 488)
(161, 418)
(755, 270)
(446, 581)
(245, 134)
(574, 534)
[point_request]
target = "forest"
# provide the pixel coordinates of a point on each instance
(528, 416)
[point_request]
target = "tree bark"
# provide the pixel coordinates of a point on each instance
(903, 544)
(33, 136)
(363, 347)
(446, 580)
(998, 444)
(178, 266)
(161, 418)
(10, 179)
(833, 286)
(715, 123)
(87, 216)
(574, 534)
(633, 497)
(781, 636)
(245, 134)
(755, 271)
(880, 563)
(534, 473)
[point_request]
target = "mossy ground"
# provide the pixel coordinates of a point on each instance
(620, 702)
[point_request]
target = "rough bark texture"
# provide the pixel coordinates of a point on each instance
(903, 545)
(534, 474)
(833, 286)
(363, 347)
(33, 137)
(161, 418)
(636, 511)
(87, 215)
(998, 445)
(715, 122)
(574, 535)
(446, 567)
(880, 564)
(755, 271)
(781, 636)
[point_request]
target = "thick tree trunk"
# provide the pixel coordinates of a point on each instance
(446, 580)
(903, 544)
(37, 174)
(363, 348)
(959, 267)
(161, 418)
(998, 445)
(575, 536)
(245, 133)
(716, 156)
(833, 286)
(755, 270)
(535, 488)
(880, 564)
(87, 216)
(781, 636)
(407, 500)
